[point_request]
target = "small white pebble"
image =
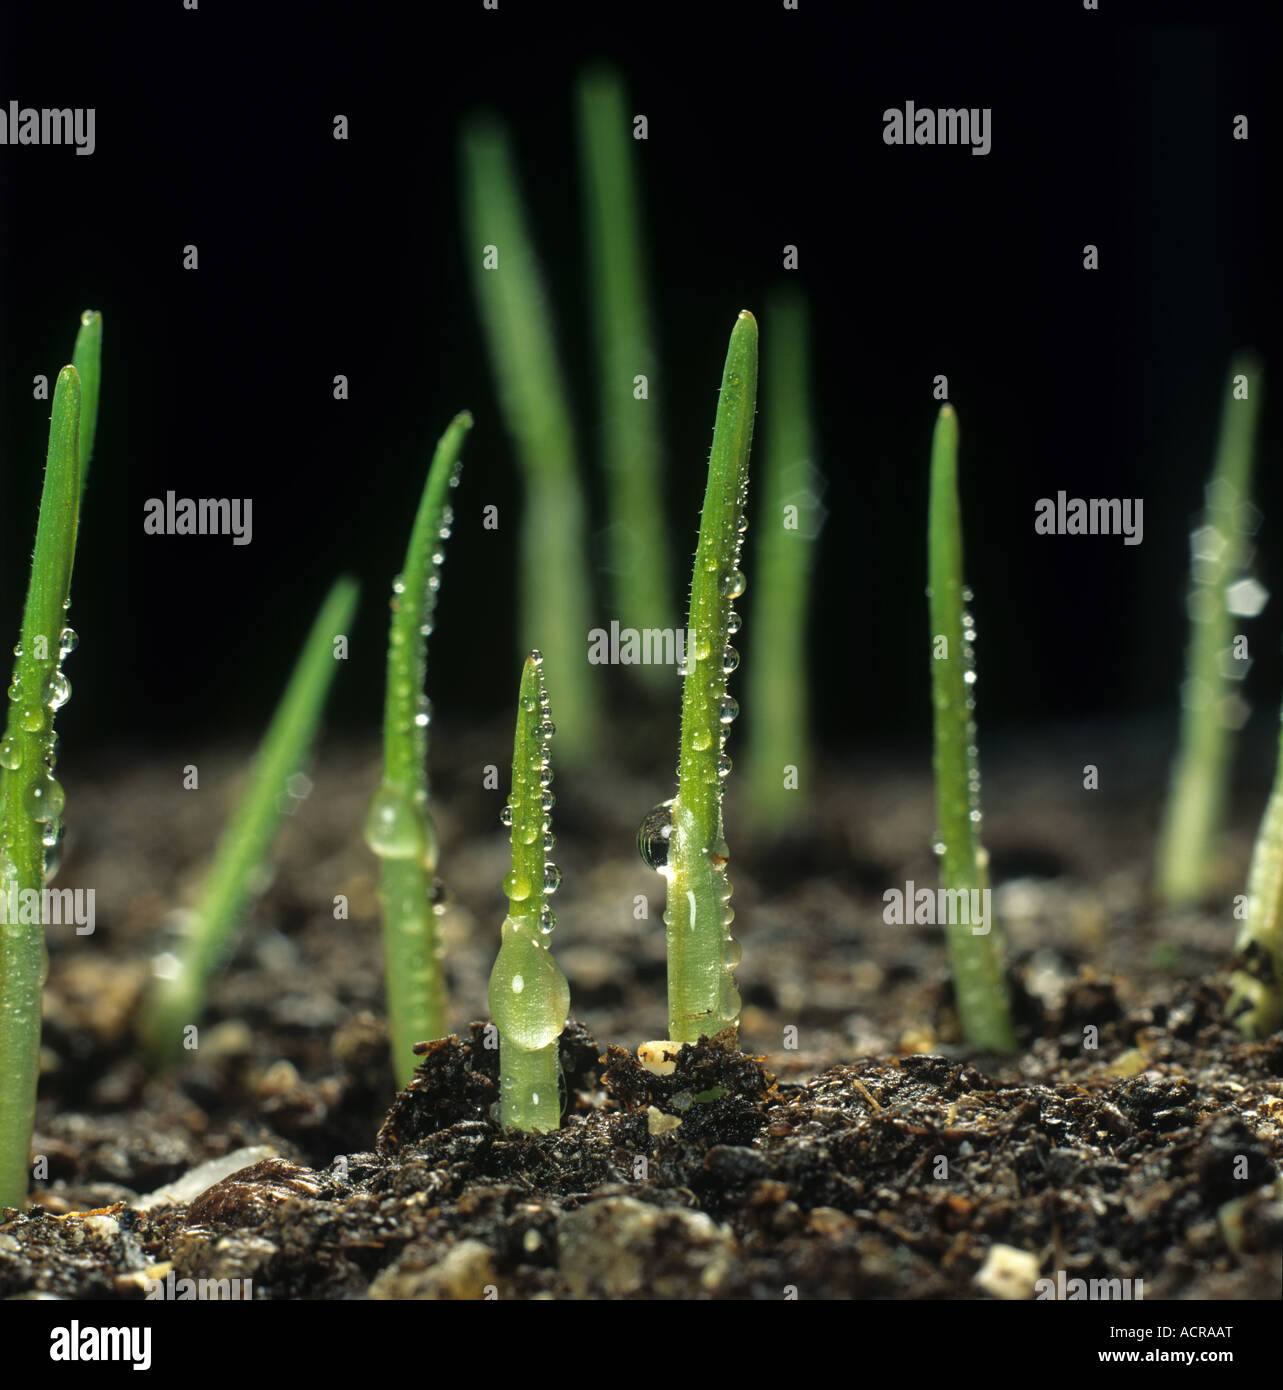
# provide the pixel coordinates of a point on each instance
(1008, 1272)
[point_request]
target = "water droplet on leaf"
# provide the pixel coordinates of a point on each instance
(653, 837)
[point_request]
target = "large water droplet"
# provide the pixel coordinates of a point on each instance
(32, 718)
(533, 1014)
(701, 739)
(516, 885)
(393, 829)
(45, 800)
(11, 754)
(732, 585)
(730, 660)
(734, 622)
(57, 690)
(551, 878)
(69, 641)
(730, 709)
(653, 837)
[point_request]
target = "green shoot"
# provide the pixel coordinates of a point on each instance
(87, 360)
(975, 948)
(529, 995)
(554, 585)
(639, 561)
(1220, 551)
(31, 801)
(398, 827)
(179, 994)
(684, 840)
(1256, 983)
(778, 745)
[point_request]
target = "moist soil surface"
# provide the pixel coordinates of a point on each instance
(855, 1148)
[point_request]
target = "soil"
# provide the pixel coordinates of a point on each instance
(857, 1148)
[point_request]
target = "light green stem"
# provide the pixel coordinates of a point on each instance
(779, 763)
(1199, 775)
(529, 994)
(554, 589)
(30, 798)
(178, 998)
(639, 562)
(702, 954)
(976, 958)
(398, 827)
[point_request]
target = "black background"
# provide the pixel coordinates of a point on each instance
(319, 257)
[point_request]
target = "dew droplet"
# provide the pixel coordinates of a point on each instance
(653, 837)
(547, 920)
(537, 657)
(733, 622)
(505, 816)
(31, 717)
(45, 800)
(730, 660)
(547, 729)
(393, 828)
(729, 711)
(724, 766)
(11, 754)
(701, 739)
(732, 585)
(68, 641)
(57, 690)
(516, 885)
(551, 877)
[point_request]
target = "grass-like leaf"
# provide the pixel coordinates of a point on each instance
(778, 758)
(553, 584)
(1220, 544)
(179, 995)
(529, 995)
(398, 827)
(1256, 982)
(702, 953)
(976, 955)
(31, 800)
(639, 560)
(87, 360)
